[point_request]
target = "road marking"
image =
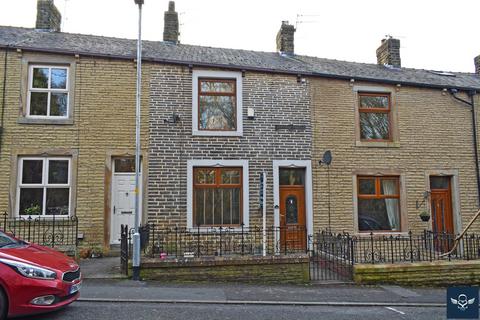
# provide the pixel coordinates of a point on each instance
(395, 310)
(403, 292)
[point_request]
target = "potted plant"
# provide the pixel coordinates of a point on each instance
(96, 252)
(424, 215)
(33, 210)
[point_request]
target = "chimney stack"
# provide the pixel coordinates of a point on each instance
(477, 65)
(48, 16)
(389, 52)
(170, 30)
(285, 39)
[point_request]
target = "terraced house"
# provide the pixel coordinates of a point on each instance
(233, 138)
(68, 131)
(240, 113)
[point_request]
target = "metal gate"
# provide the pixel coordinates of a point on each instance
(331, 257)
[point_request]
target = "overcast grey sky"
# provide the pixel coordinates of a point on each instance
(434, 34)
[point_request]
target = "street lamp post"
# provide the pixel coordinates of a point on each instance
(136, 235)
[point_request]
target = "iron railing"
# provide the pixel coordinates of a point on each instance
(371, 248)
(52, 231)
(332, 255)
(221, 241)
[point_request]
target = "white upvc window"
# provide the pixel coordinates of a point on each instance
(44, 186)
(48, 92)
(217, 103)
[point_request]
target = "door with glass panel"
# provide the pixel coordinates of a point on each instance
(123, 196)
(442, 215)
(293, 234)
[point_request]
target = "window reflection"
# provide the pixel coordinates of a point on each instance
(292, 177)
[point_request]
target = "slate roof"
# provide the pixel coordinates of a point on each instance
(31, 39)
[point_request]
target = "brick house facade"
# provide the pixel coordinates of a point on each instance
(277, 100)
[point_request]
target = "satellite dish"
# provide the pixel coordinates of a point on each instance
(327, 158)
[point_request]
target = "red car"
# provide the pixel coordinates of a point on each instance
(35, 279)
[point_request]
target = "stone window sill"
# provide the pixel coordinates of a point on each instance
(24, 120)
(366, 234)
(377, 144)
(44, 217)
(217, 133)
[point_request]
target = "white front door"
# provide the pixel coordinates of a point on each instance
(123, 198)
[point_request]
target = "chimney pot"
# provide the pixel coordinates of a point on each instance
(48, 16)
(285, 39)
(477, 64)
(389, 53)
(170, 30)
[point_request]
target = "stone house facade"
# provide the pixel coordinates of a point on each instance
(433, 140)
(217, 123)
(78, 139)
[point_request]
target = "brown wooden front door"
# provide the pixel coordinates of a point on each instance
(292, 210)
(442, 213)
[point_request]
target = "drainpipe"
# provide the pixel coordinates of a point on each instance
(471, 103)
(3, 98)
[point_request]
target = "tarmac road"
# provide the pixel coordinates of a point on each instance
(143, 311)
(131, 300)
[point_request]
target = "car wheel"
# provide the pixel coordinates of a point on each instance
(3, 305)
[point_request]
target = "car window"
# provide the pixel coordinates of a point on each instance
(5, 240)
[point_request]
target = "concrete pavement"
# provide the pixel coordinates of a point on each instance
(104, 283)
(97, 290)
(101, 268)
